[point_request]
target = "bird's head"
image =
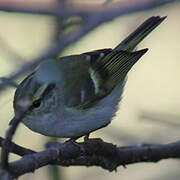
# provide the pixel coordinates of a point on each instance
(36, 94)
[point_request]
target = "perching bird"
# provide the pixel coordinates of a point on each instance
(73, 96)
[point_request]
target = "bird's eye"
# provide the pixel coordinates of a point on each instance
(36, 103)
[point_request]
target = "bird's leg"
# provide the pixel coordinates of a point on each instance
(86, 137)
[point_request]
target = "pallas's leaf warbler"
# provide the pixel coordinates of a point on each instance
(74, 95)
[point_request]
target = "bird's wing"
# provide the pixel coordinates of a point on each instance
(89, 77)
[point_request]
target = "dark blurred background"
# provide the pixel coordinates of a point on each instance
(149, 111)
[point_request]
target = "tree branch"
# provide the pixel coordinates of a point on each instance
(93, 152)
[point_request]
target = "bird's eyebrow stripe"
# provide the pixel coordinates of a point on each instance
(38, 94)
(48, 89)
(43, 91)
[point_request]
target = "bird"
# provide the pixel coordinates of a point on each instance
(72, 96)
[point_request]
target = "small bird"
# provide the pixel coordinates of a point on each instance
(72, 96)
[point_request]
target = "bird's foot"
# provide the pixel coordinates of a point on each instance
(86, 138)
(73, 142)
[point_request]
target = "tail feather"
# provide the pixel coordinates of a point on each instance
(129, 43)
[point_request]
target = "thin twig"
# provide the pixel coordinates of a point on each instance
(7, 142)
(16, 149)
(68, 12)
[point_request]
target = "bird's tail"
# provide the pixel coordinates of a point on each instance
(129, 43)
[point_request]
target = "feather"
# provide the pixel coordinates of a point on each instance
(140, 33)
